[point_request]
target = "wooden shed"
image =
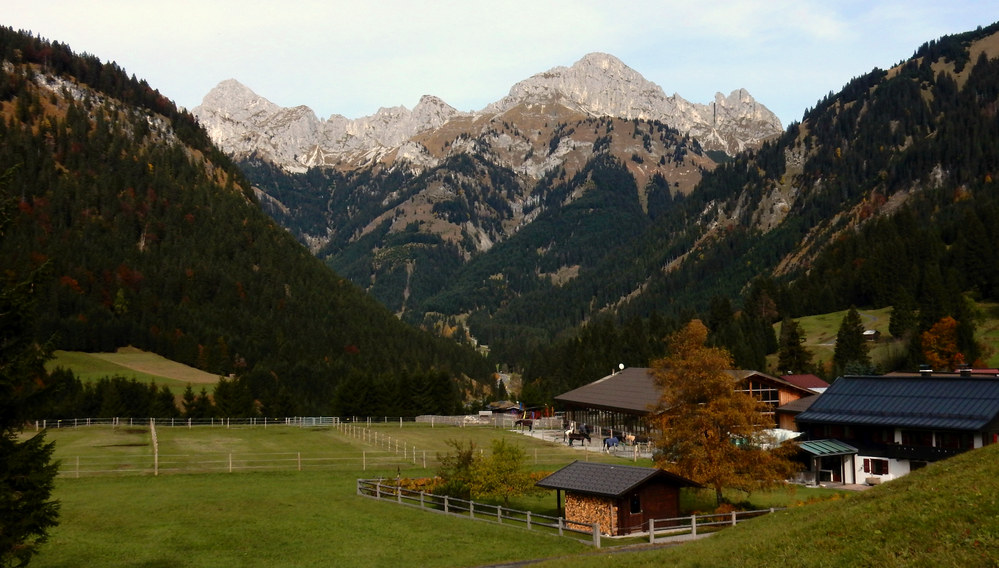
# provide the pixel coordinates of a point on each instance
(621, 498)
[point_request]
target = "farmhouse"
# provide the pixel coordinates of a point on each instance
(868, 429)
(621, 498)
(620, 401)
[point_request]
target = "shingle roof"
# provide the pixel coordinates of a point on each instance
(950, 403)
(827, 448)
(607, 480)
(634, 390)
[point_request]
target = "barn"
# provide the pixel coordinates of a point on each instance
(621, 401)
(621, 498)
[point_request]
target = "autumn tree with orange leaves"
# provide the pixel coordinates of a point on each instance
(939, 345)
(705, 429)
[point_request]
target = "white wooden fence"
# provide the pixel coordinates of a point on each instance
(672, 529)
(379, 489)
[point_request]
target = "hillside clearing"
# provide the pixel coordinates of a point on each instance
(131, 363)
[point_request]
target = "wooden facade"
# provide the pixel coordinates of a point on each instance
(620, 402)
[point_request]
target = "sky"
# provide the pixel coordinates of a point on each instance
(352, 58)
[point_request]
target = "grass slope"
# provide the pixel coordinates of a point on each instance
(820, 334)
(944, 515)
(130, 363)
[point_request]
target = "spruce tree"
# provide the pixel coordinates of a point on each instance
(27, 472)
(792, 357)
(851, 349)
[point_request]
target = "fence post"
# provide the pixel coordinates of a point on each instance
(378, 490)
(733, 518)
(422, 494)
(560, 526)
(528, 520)
(693, 525)
(445, 503)
(596, 535)
(471, 509)
(499, 514)
(652, 531)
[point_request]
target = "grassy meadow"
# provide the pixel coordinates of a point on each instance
(820, 335)
(289, 517)
(131, 363)
(946, 514)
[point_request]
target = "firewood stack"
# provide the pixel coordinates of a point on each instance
(584, 510)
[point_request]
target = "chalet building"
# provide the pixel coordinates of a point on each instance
(868, 429)
(620, 402)
(621, 498)
(785, 416)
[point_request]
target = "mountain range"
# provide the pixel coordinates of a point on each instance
(588, 191)
(243, 123)
(566, 240)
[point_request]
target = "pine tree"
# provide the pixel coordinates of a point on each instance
(851, 349)
(27, 473)
(792, 357)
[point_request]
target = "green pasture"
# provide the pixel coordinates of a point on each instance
(820, 334)
(289, 517)
(130, 363)
(946, 514)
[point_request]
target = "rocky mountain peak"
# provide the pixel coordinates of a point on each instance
(599, 84)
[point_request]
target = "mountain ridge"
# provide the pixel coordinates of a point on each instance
(597, 85)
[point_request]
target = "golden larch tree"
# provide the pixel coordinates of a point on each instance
(706, 429)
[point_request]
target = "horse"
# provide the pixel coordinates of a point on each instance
(524, 422)
(611, 442)
(583, 437)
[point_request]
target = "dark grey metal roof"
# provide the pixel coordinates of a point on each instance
(634, 390)
(800, 405)
(631, 390)
(607, 480)
(948, 403)
(827, 448)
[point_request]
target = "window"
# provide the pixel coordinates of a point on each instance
(875, 466)
(636, 504)
(917, 438)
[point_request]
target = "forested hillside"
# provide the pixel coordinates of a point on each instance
(145, 234)
(884, 195)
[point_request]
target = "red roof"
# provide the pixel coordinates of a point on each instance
(806, 381)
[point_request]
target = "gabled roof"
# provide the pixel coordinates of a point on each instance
(821, 448)
(634, 390)
(806, 381)
(948, 403)
(608, 480)
(631, 390)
